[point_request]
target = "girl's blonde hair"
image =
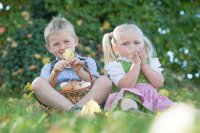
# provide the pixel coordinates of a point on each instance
(110, 39)
(58, 24)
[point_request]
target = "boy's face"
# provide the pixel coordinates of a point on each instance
(60, 41)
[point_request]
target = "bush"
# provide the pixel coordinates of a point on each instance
(25, 54)
(170, 25)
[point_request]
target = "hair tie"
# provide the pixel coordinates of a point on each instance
(110, 34)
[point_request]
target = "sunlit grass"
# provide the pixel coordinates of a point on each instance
(20, 114)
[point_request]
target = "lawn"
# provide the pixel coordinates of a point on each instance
(21, 114)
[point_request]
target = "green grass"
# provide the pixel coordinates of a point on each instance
(22, 115)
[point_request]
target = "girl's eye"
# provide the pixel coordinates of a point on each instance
(66, 41)
(124, 44)
(136, 43)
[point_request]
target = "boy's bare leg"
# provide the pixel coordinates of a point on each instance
(99, 92)
(49, 96)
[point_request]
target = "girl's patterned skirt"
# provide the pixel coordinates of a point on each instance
(144, 94)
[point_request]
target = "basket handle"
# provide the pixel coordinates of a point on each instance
(52, 79)
(86, 69)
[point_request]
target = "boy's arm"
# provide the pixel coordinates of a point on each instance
(82, 71)
(50, 77)
(59, 67)
(84, 75)
(53, 78)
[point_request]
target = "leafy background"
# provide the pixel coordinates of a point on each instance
(172, 26)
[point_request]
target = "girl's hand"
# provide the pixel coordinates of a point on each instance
(143, 58)
(76, 64)
(61, 66)
(134, 56)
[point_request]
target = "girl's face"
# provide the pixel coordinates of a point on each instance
(60, 41)
(129, 40)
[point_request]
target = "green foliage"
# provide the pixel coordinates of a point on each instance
(170, 25)
(23, 54)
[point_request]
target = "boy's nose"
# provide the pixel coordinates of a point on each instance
(63, 46)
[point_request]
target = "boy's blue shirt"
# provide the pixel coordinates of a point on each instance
(68, 74)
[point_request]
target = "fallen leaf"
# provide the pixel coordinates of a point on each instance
(90, 108)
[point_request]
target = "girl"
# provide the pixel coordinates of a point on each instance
(132, 66)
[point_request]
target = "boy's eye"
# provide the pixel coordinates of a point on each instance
(55, 44)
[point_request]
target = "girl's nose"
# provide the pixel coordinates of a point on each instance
(132, 47)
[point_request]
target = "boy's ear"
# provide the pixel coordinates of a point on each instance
(115, 49)
(48, 48)
(76, 41)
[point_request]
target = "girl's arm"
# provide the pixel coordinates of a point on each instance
(130, 79)
(155, 78)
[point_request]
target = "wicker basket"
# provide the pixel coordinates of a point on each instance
(75, 95)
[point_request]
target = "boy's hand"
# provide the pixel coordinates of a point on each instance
(76, 64)
(61, 66)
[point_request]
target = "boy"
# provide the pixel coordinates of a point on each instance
(59, 36)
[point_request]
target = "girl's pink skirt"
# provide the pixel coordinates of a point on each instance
(148, 95)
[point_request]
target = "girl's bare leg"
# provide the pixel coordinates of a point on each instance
(49, 96)
(128, 103)
(99, 92)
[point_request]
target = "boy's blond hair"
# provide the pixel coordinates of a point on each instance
(58, 24)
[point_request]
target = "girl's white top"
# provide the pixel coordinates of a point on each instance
(116, 72)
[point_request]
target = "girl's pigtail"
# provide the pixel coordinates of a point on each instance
(107, 49)
(149, 49)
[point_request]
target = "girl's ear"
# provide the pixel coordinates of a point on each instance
(76, 41)
(115, 49)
